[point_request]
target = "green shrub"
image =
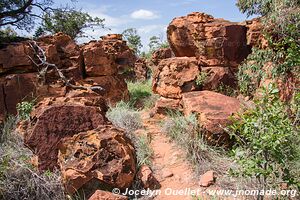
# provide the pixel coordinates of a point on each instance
(140, 92)
(201, 78)
(267, 143)
(143, 150)
(24, 109)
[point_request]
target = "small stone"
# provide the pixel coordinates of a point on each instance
(207, 179)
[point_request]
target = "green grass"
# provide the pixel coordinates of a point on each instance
(141, 95)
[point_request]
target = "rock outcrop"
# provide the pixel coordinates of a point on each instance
(255, 37)
(213, 111)
(103, 158)
(216, 42)
(160, 54)
(175, 76)
(56, 118)
(101, 60)
(141, 69)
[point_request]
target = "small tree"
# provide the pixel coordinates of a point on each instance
(133, 39)
(71, 22)
(20, 13)
(157, 42)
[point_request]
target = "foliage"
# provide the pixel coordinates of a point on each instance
(187, 133)
(201, 78)
(264, 7)
(141, 92)
(157, 42)
(18, 178)
(21, 13)
(266, 143)
(226, 90)
(24, 109)
(133, 39)
(69, 21)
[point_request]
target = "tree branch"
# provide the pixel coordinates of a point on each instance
(40, 54)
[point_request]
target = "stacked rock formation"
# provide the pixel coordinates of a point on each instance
(207, 54)
(96, 63)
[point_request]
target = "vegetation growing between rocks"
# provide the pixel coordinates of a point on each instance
(125, 117)
(187, 133)
(19, 179)
(141, 94)
(267, 143)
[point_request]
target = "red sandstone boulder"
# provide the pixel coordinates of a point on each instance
(216, 42)
(147, 178)
(61, 50)
(175, 76)
(141, 69)
(14, 58)
(115, 87)
(165, 105)
(208, 179)
(107, 56)
(160, 54)
(17, 88)
(214, 111)
(100, 158)
(56, 118)
(216, 76)
(104, 195)
(255, 37)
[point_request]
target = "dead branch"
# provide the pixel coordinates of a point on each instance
(44, 65)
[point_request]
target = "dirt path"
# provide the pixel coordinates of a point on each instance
(169, 164)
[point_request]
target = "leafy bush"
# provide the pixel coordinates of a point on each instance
(24, 109)
(267, 143)
(18, 178)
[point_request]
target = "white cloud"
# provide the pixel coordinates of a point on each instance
(143, 14)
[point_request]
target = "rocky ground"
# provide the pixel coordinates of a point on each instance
(69, 130)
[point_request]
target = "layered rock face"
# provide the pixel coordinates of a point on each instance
(101, 61)
(160, 54)
(216, 42)
(175, 76)
(102, 158)
(255, 36)
(104, 60)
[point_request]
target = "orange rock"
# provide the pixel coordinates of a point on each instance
(165, 105)
(160, 54)
(217, 76)
(14, 58)
(214, 111)
(147, 179)
(141, 69)
(255, 37)
(115, 87)
(217, 42)
(104, 195)
(54, 119)
(175, 76)
(103, 157)
(207, 179)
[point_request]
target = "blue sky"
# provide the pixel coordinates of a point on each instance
(150, 17)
